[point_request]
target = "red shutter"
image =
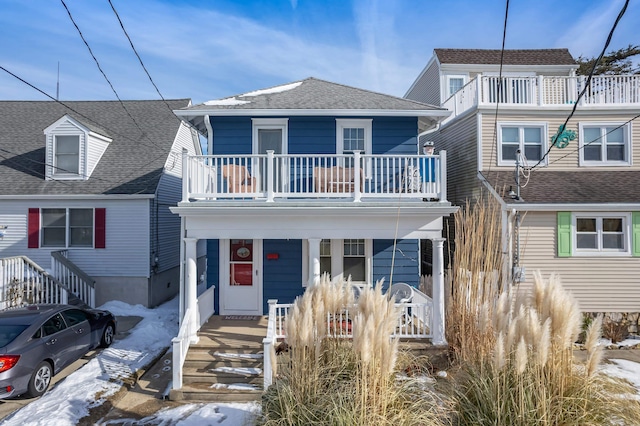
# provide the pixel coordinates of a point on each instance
(33, 226)
(100, 229)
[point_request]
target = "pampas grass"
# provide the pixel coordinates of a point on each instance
(326, 378)
(531, 377)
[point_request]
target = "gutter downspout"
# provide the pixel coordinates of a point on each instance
(426, 132)
(207, 123)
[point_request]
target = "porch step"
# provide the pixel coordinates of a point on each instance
(226, 364)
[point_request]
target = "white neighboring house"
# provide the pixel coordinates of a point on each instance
(579, 208)
(92, 182)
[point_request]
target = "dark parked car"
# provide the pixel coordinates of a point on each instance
(38, 341)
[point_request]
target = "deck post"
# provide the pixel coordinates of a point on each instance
(185, 175)
(270, 175)
(357, 166)
(438, 324)
(191, 287)
(314, 261)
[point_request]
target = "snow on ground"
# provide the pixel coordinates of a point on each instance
(71, 399)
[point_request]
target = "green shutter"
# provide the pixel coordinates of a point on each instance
(564, 234)
(635, 233)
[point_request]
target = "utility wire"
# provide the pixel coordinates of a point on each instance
(587, 84)
(137, 55)
(495, 121)
(124, 136)
(104, 74)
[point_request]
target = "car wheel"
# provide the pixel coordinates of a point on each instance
(40, 379)
(107, 336)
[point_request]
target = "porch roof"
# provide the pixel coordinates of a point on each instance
(570, 187)
(511, 56)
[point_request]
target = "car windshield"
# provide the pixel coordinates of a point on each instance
(8, 333)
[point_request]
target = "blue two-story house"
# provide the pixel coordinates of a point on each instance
(308, 178)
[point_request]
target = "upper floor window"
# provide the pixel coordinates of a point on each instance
(596, 233)
(454, 83)
(63, 227)
(353, 135)
(66, 155)
(604, 144)
(528, 138)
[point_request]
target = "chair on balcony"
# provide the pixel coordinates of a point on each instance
(238, 179)
(336, 179)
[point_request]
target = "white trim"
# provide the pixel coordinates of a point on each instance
(507, 68)
(315, 112)
(57, 174)
(67, 228)
(600, 252)
(479, 141)
(626, 131)
(337, 257)
(207, 125)
(100, 137)
(544, 126)
(562, 207)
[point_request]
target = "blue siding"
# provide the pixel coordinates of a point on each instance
(394, 135)
(213, 271)
(282, 278)
(231, 135)
(316, 135)
(405, 265)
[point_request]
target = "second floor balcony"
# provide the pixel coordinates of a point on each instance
(353, 177)
(604, 91)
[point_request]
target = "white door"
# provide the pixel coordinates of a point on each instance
(270, 134)
(241, 277)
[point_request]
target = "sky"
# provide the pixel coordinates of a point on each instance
(88, 387)
(205, 49)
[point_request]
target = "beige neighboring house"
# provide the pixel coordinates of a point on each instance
(579, 206)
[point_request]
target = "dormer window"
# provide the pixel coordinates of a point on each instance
(73, 149)
(67, 155)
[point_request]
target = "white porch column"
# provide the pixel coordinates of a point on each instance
(438, 292)
(314, 261)
(191, 278)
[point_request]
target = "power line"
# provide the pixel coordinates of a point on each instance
(102, 71)
(495, 121)
(587, 84)
(137, 55)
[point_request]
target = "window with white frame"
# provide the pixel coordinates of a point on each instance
(454, 83)
(66, 155)
(601, 233)
(353, 135)
(343, 258)
(528, 138)
(604, 144)
(67, 227)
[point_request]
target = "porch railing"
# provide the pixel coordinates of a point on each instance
(73, 278)
(415, 320)
(354, 176)
(23, 282)
(606, 90)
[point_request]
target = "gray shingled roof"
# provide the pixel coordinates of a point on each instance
(574, 187)
(315, 94)
(511, 57)
(132, 164)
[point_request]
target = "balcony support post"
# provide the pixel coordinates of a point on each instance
(270, 175)
(357, 195)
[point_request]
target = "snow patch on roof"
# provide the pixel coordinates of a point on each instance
(276, 89)
(226, 102)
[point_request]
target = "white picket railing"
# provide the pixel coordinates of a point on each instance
(23, 282)
(180, 348)
(282, 176)
(415, 320)
(73, 278)
(542, 90)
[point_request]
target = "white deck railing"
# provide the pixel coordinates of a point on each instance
(23, 282)
(73, 278)
(604, 90)
(281, 176)
(415, 321)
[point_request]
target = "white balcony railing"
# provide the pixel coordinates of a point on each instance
(278, 176)
(604, 90)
